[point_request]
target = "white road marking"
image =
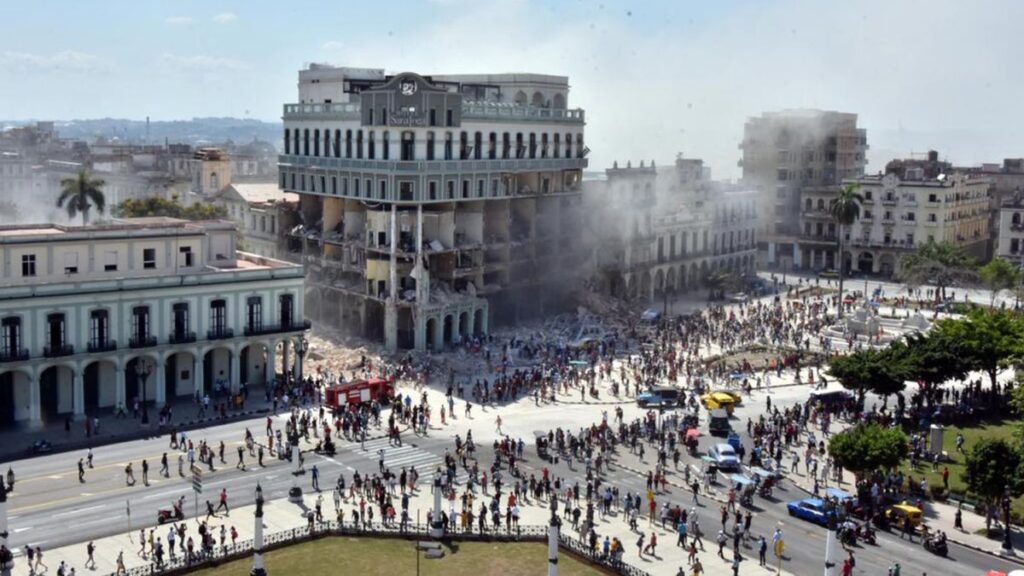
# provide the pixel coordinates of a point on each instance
(161, 494)
(19, 530)
(79, 511)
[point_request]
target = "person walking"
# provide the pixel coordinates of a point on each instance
(224, 502)
(90, 561)
(129, 475)
(120, 564)
(164, 470)
(241, 459)
(762, 549)
(145, 472)
(315, 477)
(81, 471)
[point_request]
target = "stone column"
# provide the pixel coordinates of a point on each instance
(269, 368)
(160, 382)
(285, 349)
(119, 386)
(198, 374)
(257, 539)
(391, 306)
(235, 372)
(78, 393)
(35, 415)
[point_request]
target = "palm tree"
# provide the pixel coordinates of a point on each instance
(845, 210)
(940, 263)
(81, 193)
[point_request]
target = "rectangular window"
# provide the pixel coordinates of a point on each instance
(28, 265)
(218, 316)
(110, 261)
(449, 118)
(149, 258)
(254, 314)
(185, 256)
(11, 335)
(71, 262)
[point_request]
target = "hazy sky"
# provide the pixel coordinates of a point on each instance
(656, 77)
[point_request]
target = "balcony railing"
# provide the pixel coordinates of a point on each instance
(57, 351)
(102, 345)
(14, 355)
(139, 341)
(277, 328)
(182, 337)
(221, 333)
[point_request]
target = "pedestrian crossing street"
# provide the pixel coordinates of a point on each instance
(397, 457)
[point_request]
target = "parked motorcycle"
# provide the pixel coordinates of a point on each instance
(936, 545)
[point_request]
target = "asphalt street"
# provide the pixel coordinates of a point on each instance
(50, 508)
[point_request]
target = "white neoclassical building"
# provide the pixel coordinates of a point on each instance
(82, 307)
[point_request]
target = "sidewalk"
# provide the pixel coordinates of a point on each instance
(281, 515)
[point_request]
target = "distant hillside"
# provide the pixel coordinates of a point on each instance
(194, 131)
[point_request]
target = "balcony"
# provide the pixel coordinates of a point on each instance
(14, 355)
(101, 345)
(140, 341)
(277, 328)
(220, 333)
(58, 351)
(182, 337)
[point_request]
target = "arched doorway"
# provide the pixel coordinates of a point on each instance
(217, 371)
(447, 329)
(887, 264)
(431, 329)
(478, 323)
(15, 396)
(99, 385)
(55, 392)
(464, 325)
(133, 381)
(866, 262)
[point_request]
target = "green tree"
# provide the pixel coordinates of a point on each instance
(170, 208)
(934, 358)
(883, 372)
(998, 275)
(718, 283)
(992, 467)
(988, 339)
(941, 264)
(845, 210)
(866, 448)
(81, 193)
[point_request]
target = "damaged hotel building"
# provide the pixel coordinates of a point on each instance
(434, 206)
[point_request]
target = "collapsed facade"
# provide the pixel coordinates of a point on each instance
(434, 206)
(659, 233)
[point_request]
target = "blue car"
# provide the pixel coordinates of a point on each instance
(811, 510)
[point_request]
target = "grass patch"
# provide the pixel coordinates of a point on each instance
(995, 429)
(387, 557)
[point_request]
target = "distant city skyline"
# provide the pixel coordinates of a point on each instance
(656, 77)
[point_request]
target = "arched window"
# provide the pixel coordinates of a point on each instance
(809, 204)
(359, 144)
(408, 146)
(533, 145)
(448, 153)
(568, 145)
(559, 101)
(305, 142)
(1015, 219)
(337, 143)
(579, 145)
(371, 148)
(463, 146)
(492, 147)
(506, 145)
(348, 143)
(478, 144)
(385, 145)
(520, 148)
(558, 145)
(821, 204)
(430, 145)
(520, 98)
(544, 145)
(537, 100)
(316, 142)
(287, 142)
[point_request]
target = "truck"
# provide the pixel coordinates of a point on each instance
(360, 391)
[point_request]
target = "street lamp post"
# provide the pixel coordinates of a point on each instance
(142, 371)
(257, 542)
(553, 527)
(300, 350)
(295, 492)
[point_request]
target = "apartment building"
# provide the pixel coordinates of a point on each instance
(433, 206)
(658, 233)
(263, 212)
(786, 152)
(897, 216)
(143, 309)
(1011, 229)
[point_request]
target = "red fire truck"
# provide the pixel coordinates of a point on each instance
(359, 391)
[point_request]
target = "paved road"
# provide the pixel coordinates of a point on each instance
(50, 508)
